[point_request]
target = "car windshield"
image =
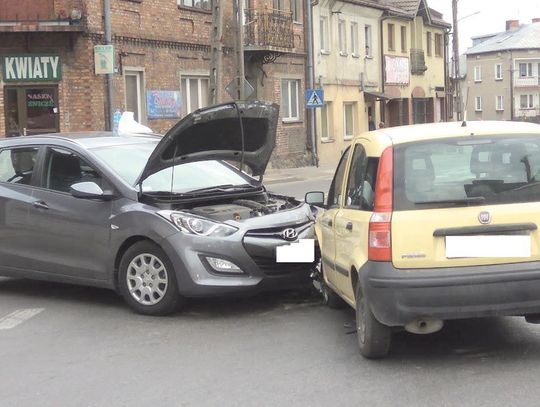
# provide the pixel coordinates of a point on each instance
(129, 160)
(472, 171)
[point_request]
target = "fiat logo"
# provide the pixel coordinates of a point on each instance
(484, 218)
(289, 234)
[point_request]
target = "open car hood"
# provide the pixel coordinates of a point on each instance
(214, 133)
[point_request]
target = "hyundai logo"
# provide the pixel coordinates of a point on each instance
(484, 218)
(289, 234)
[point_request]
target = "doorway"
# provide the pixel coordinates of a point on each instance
(31, 110)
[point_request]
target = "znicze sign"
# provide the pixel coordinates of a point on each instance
(31, 68)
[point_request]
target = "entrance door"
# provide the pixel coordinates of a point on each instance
(31, 110)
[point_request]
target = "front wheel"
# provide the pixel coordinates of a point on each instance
(373, 337)
(147, 281)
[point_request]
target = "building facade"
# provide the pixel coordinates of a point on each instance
(503, 75)
(161, 62)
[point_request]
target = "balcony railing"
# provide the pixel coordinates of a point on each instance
(418, 62)
(268, 29)
(527, 82)
(527, 112)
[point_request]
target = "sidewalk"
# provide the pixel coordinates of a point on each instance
(284, 175)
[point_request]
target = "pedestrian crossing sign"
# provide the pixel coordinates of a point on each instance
(314, 98)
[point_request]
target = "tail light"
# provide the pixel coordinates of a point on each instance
(380, 224)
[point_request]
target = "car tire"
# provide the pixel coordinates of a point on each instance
(147, 281)
(373, 337)
(330, 298)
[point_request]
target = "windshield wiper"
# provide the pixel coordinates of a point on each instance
(470, 200)
(223, 188)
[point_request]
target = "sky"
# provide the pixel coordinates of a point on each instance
(491, 19)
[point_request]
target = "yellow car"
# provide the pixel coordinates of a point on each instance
(433, 222)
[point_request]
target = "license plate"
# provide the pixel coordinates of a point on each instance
(302, 251)
(488, 246)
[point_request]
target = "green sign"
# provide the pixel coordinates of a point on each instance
(31, 68)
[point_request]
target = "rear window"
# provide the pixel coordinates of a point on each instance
(467, 171)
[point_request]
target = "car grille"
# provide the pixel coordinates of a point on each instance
(275, 232)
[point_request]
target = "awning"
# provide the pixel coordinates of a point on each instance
(376, 96)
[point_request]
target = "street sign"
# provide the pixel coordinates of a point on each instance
(232, 89)
(314, 98)
(104, 59)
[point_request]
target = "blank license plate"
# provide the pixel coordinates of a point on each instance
(302, 251)
(488, 246)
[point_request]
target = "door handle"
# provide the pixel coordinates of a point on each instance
(349, 226)
(40, 204)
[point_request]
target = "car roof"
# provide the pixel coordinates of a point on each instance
(91, 139)
(434, 131)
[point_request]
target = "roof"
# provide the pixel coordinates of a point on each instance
(431, 131)
(412, 8)
(525, 37)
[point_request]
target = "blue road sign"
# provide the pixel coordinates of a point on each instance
(314, 98)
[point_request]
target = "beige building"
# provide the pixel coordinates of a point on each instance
(503, 75)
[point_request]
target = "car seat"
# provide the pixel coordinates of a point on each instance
(64, 171)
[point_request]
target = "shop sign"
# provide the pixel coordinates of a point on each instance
(397, 70)
(104, 59)
(163, 104)
(31, 68)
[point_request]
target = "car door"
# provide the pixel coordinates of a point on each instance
(16, 178)
(328, 248)
(70, 235)
(352, 220)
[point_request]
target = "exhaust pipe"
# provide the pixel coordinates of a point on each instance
(424, 325)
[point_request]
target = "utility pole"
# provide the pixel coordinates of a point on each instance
(108, 41)
(455, 46)
(238, 13)
(311, 81)
(216, 48)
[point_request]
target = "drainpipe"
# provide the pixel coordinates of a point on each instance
(108, 41)
(311, 81)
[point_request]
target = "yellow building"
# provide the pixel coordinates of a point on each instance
(414, 46)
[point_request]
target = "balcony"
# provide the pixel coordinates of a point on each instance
(527, 113)
(40, 16)
(418, 62)
(527, 81)
(268, 30)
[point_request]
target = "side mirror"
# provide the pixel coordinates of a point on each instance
(89, 190)
(315, 199)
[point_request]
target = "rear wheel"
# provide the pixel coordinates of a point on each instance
(147, 280)
(373, 337)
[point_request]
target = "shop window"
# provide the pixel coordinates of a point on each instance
(17, 165)
(289, 99)
(194, 93)
(134, 82)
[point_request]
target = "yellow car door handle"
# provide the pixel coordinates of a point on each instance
(349, 226)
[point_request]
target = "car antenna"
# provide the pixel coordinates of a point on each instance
(241, 134)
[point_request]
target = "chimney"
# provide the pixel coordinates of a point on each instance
(536, 20)
(512, 25)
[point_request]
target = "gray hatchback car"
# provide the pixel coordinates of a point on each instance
(159, 219)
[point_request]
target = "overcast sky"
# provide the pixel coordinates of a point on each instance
(491, 19)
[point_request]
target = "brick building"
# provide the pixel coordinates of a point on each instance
(161, 52)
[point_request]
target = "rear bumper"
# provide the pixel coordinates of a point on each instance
(399, 296)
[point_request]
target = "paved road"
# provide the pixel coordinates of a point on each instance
(76, 346)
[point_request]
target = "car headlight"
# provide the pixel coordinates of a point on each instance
(195, 225)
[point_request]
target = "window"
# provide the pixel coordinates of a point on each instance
(17, 165)
(202, 4)
(296, 10)
(354, 40)
(342, 37)
(349, 110)
(278, 4)
(64, 168)
(525, 70)
(325, 45)
(478, 103)
(403, 39)
(336, 187)
(194, 93)
(478, 73)
(367, 36)
(355, 180)
(499, 104)
(135, 101)
(391, 37)
(438, 45)
(289, 99)
(326, 121)
(526, 101)
(428, 43)
(498, 72)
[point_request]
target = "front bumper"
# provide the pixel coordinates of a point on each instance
(398, 296)
(196, 278)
